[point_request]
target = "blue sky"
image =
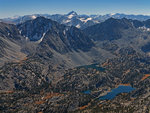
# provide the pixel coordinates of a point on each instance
(9, 8)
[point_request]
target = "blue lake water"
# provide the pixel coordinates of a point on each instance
(93, 66)
(116, 91)
(87, 92)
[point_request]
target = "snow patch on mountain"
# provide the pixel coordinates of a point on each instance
(85, 20)
(70, 16)
(33, 17)
(64, 32)
(112, 14)
(27, 38)
(42, 37)
(78, 26)
(66, 21)
(144, 28)
(20, 31)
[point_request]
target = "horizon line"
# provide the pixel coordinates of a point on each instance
(77, 14)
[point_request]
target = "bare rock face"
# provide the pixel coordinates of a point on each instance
(10, 44)
(9, 30)
(109, 30)
(58, 37)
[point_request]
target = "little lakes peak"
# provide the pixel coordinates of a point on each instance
(72, 13)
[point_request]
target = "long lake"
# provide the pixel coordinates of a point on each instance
(116, 91)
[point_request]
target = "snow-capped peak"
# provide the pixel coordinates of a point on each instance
(33, 17)
(72, 14)
(14, 17)
(112, 14)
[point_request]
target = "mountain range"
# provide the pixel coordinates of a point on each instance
(73, 19)
(47, 65)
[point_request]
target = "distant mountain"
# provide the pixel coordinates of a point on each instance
(70, 19)
(58, 37)
(140, 24)
(35, 30)
(133, 17)
(117, 33)
(73, 19)
(72, 14)
(108, 30)
(79, 21)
